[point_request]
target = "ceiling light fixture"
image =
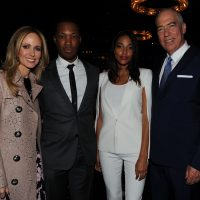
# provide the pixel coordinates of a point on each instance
(142, 35)
(137, 6)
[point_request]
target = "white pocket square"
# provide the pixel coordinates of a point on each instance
(184, 76)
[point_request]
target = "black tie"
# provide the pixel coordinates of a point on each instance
(73, 86)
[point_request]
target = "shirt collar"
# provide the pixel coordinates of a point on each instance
(178, 54)
(64, 62)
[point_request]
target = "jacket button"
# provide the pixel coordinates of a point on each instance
(14, 182)
(18, 109)
(18, 134)
(16, 158)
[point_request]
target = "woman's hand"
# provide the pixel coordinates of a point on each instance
(141, 168)
(98, 164)
(3, 192)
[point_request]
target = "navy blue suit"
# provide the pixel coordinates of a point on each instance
(175, 125)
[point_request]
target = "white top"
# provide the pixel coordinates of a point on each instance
(116, 95)
(121, 131)
(80, 77)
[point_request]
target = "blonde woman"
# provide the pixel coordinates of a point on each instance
(26, 58)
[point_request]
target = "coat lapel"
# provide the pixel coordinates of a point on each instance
(36, 88)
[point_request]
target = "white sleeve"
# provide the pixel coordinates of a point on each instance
(146, 79)
(147, 84)
(101, 79)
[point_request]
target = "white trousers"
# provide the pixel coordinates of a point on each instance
(112, 165)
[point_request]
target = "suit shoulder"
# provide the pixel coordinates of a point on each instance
(47, 71)
(90, 65)
(195, 48)
(193, 51)
(51, 65)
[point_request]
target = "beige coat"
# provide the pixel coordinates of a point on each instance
(19, 122)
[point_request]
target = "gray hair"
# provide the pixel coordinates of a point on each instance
(178, 15)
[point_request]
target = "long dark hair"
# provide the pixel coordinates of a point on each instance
(134, 72)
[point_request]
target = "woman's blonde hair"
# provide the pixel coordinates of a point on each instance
(12, 62)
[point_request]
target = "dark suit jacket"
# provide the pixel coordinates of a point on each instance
(175, 123)
(62, 127)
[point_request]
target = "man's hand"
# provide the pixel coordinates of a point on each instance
(192, 175)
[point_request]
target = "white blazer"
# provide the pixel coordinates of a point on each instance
(122, 133)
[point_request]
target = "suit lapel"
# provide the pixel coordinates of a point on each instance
(87, 86)
(182, 64)
(58, 85)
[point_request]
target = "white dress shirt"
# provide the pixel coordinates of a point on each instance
(80, 77)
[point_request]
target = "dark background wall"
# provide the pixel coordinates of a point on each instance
(100, 21)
